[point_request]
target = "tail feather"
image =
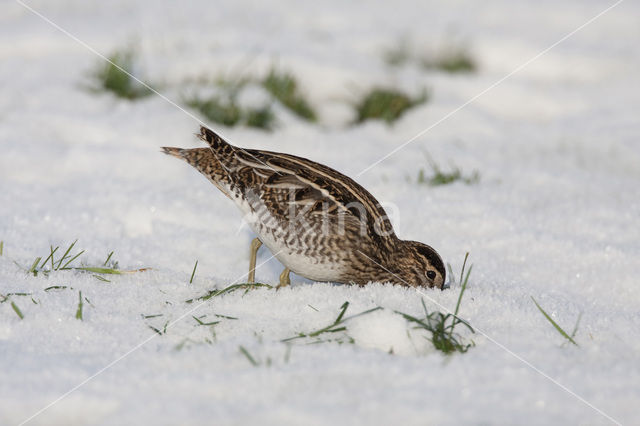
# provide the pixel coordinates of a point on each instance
(174, 152)
(214, 140)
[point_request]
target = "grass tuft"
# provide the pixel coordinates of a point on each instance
(387, 104)
(454, 59)
(441, 326)
(336, 326)
(284, 87)
(110, 77)
(440, 177)
(218, 110)
(51, 264)
(556, 326)
(399, 55)
(213, 293)
(226, 111)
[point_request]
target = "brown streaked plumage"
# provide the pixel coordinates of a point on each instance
(318, 222)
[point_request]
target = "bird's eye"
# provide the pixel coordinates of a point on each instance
(431, 275)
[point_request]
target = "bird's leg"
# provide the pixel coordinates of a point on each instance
(284, 278)
(255, 246)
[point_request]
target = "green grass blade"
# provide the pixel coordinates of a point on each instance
(1, 247)
(575, 328)
(99, 278)
(200, 322)
(555, 324)
(34, 266)
(52, 251)
(55, 287)
(80, 304)
(229, 289)
(71, 260)
(108, 258)
(17, 310)
(193, 273)
(66, 253)
(343, 309)
(97, 270)
(246, 353)
(156, 330)
(462, 290)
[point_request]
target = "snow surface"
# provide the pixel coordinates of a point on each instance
(556, 216)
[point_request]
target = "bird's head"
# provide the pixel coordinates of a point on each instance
(419, 265)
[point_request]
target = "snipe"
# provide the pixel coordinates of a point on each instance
(316, 221)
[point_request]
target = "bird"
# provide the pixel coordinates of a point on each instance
(319, 223)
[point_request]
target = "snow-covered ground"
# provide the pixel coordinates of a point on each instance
(556, 216)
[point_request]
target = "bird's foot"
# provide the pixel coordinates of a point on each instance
(253, 254)
(284, 279)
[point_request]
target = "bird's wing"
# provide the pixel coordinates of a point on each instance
(289, 180)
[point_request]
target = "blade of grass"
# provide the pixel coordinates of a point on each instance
(17, 310)
(246, 353)
(225, 317)
(34, 267)
(109, 271)
(52, 251)
(333, 327)
(464, 287)
(200, 322)
(555, 324)
(193, 273)
(98, 270)
(575, 329)
(98, 277)
(1, 247)
(155, 329)
(71, 260)
(108, 258)
(64, 256)
(80, 304)
(229, 289)
(55, 287)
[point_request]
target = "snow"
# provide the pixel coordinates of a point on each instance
(556, 216)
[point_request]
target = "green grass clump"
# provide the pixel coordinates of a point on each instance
(556, 326)
(336, 326)
(218, 110)
(440, 326)
(452, 57)
(397, 56)
(243, 286)
(65, 263)
(455, 59)
(386, 104)
(284, 87)
(110, 77)
(225, 110)
(440, 177)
